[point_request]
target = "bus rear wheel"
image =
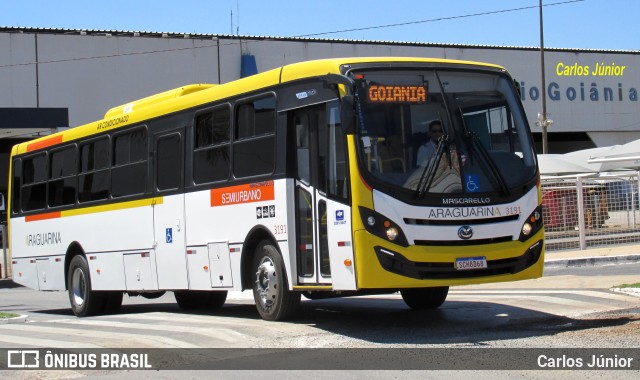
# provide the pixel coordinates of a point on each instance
(274, 300)
(84, 300)
(199, 299)
(425, 298)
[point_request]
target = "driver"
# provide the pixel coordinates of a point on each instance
(428, 150)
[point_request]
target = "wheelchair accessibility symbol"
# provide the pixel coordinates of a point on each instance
(169, 235)
(472, 183)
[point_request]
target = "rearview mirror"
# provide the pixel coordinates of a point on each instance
(516, 84)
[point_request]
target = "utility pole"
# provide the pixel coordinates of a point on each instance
(542, 117)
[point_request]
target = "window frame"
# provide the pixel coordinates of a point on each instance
(158, 169)
(74, 175)
(123, 166)
(94, 170)
(213, 146)
(255, 138)
(30, 185)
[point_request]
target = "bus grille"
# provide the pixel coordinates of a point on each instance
(396, 263)
(457, 243)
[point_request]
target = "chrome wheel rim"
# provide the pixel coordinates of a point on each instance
(78, 286)
(266, 282)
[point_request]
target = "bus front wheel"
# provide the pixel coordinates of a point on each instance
(274, 300)
(84, 300)
(425, 298)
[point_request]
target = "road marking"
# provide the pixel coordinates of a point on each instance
(521, 301)
(223, 334)
(547, 304)
(186, 318)
(588, 293)
(542, 291)
(110, 337)
(38, 342)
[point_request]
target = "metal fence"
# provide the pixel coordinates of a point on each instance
(587, 212)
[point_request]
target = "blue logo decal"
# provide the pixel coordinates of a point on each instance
(169, 234)
(472, 182)
(339, 215)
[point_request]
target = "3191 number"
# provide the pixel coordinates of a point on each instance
(280, 229)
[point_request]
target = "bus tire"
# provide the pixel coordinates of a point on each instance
(217, 299)
(425, 298)
(200, 300)
(112, 302)
(84, 300)
(274, 300)
(152, 295)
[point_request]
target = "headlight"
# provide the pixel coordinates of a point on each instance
(383, 227)
(392, 233)
(532, 225)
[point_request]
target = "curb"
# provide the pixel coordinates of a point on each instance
(18, 319)
(629, 291)
(592, 261)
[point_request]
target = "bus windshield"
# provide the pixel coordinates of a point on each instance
(433, 132)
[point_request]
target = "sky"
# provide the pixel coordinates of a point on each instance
(577, 24)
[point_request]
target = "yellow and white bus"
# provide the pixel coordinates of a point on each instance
(303, 180)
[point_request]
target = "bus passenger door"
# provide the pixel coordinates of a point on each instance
(323, 227)
(168, 212)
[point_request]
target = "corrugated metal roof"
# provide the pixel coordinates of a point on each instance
(123, 33)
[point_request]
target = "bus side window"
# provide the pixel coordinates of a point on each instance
(129, 171)
(63, 169)
(34, 182)
(303, 148)
(211, 161)
(337, 170)
(15, 190)
(254, 140)
(95, 173)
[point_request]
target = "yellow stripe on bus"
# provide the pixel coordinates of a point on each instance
(313, 287)
(96, 209)
(114, 207)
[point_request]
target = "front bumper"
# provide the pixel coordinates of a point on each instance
(381, 264)
(396, 263)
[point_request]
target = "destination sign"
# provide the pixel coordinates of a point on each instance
(397, 94)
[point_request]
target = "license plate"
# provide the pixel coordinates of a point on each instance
(467, 263)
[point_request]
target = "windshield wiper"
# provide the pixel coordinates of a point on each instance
(429, 172)
(486, 158)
